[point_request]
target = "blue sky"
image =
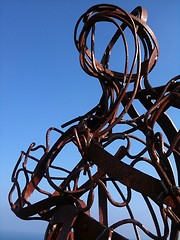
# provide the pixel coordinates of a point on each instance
(42, 83)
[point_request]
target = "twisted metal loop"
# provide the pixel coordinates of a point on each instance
(144, 46)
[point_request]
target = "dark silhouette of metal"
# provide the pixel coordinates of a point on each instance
(128, 145)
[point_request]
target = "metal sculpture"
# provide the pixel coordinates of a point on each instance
(142, 166)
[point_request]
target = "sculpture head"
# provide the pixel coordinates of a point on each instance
(130, 39)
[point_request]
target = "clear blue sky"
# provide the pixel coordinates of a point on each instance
(42, 83)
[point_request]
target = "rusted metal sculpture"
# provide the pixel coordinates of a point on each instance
(128, 146)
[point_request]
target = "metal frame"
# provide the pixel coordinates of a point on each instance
(139, 134)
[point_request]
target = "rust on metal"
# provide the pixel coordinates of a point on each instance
(128, 145)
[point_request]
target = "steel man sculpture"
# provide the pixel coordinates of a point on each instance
(128, 146)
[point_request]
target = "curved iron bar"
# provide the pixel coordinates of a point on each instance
(70, 193)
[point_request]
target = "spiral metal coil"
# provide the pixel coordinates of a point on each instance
(127, 158)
